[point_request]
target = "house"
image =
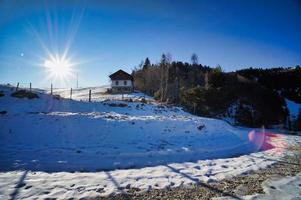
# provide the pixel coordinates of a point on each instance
(121, 82)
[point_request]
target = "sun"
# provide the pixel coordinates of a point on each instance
(58, 67)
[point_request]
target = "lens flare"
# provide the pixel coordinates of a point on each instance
(266, 140)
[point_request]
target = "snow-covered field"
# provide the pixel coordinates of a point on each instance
(98, 94)
(69, 148)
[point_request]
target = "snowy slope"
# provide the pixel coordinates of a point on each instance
(70, 135)
(97, 94)
(293, 109)
(52, 138)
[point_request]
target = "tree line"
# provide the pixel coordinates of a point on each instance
(251, 97)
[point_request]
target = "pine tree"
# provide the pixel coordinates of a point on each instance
(194, 59)
(146, 64)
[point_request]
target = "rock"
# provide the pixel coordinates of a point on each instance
(100, 190)
(201, 127)
(27, 187)
(242, 190)
(117, 104)
(24, 94)
(57, 97)
(3, 112)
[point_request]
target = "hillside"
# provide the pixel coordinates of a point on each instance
(113, 144)
(252, 97)
(142, 134)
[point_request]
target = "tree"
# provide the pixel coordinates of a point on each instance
(177, 86)
(168, 61)
(218, 69)
(298, 122)
(194, 59)
(206, 81)
(163, 63)
(244, 116)
(217, 77)
(164, 74)
(146, 64)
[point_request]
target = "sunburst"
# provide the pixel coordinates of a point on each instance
(59, 68)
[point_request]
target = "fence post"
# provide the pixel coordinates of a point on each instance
(30, 86)
(89, 95)
(71, 93)
(51, 89)
(17, 86)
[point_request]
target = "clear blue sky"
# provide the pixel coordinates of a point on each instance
(104, 36)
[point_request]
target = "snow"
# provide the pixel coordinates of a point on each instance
(97, 94)
(66, 148)
(278, 188)
(293, 108)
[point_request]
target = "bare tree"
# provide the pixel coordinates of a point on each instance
(140, 79)
(162, 69)
(177, 86)
(167, 66)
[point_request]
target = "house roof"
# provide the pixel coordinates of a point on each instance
(121, 75)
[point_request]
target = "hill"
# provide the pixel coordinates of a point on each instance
(68, 147)
(251, 97)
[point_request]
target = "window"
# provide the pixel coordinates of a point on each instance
(116, 82)
(125, 82)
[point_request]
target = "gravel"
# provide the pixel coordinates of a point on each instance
(235, 187)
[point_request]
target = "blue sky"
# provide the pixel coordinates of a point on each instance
(104, 36)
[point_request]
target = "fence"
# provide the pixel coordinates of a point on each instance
(90, 94)
(20, 85)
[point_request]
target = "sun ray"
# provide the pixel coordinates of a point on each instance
(56, 62)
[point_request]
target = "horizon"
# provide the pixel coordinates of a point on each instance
(100, 37)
